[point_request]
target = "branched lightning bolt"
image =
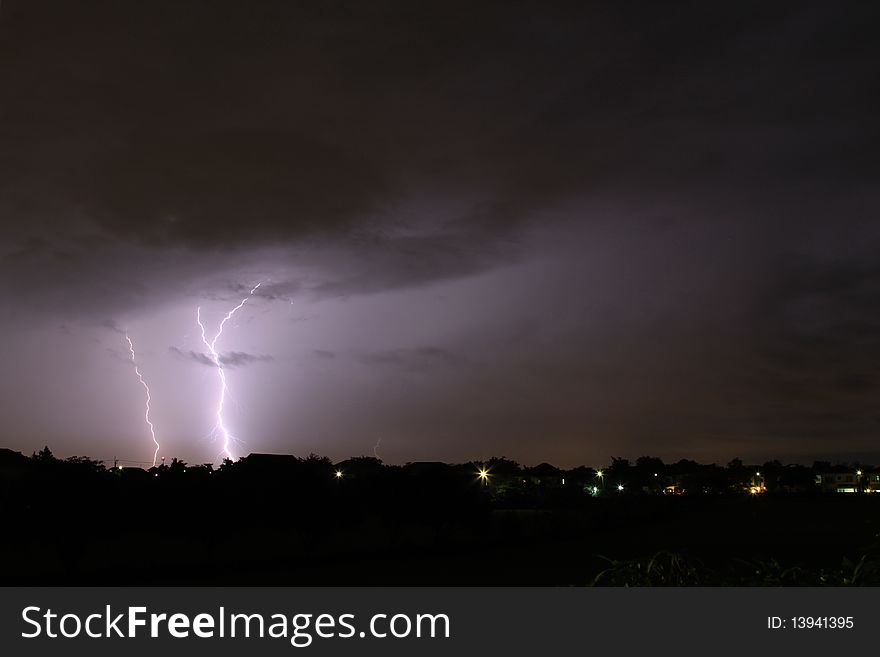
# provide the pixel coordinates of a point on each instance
(215, 358)
(149, 399)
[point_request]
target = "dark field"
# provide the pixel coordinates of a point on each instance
(425, 540)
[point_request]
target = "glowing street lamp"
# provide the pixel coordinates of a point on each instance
(483, 474)
(619, 487)
(339, 474)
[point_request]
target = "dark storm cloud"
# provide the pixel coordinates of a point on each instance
(239, 358)
(857, 383)
(821, 330)
(421, 359)
(208, 125)
(195, 356)
(824, 310)
(112, 326)
(276, 291)
(257, 134)
(393, 262)
(227, 359)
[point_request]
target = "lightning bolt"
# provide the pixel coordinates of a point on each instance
(149, 399)
(376, 448)
(220, 426)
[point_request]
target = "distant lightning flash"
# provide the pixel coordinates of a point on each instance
(220, 426)
(149, 399)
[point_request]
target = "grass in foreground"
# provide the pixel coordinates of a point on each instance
(672, 569)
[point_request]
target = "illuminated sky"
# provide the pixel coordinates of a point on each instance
(552, 233)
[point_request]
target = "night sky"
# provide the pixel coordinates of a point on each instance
(549, 231)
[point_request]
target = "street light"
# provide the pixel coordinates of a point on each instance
(339, 474)
(619, 487)
(483, 474)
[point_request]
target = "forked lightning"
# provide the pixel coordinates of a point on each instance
(220, 426)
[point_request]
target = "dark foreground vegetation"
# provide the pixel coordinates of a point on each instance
(282, 520)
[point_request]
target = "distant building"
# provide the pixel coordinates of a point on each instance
(871, 480)
(840, 480)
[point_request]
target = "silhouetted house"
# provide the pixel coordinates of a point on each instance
(269, 465)
(545, 474)
(13, 465)
(9, 457)
(423, 467)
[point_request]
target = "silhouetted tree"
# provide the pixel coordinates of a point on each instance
(358, 466)
(797, 478)
(619, 464)
(771, 472)
(503, 466)
(582, 475)
(177, 466)
(325, 461)
(650, 463)
(44, 455)
(84, 463)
